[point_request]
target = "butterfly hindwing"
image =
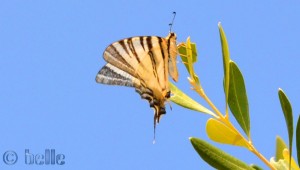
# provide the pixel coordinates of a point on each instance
(111, 75)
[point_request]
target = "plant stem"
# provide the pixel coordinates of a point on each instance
(227, 122)
(260, 156)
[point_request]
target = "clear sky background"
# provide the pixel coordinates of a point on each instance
(51, 51)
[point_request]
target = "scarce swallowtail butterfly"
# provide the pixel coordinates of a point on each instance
(142, 62)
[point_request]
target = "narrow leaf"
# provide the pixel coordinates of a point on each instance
(184, 100)
(280, 146)
(188, 54)
(237, 98)
(219, 132)
(226, 59)
(216, 157)
(298, 140)
(182, 52)
(256, 167)
(288, 115)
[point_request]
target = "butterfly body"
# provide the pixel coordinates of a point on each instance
(145, 63)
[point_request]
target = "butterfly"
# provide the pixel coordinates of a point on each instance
(145, 63)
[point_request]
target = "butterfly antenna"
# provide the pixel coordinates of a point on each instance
(171, 24)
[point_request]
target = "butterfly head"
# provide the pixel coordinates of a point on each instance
(172, 36)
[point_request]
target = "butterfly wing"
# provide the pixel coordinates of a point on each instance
(135, 56)
(172, 52)
(110, 74)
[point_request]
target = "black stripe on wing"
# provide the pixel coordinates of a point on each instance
(142, 42)
(133, 51)
(113, 56)
(152, 57)
(122, 43)
(163, 55)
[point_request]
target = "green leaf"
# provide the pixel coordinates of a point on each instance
(288, 115)
(226, 59)
(219, 132)
(237, 98)
(298, 140)
(216, 157)
(256, 167)
(280, 146)
(184, 100)
(188, 54)
(182, 52)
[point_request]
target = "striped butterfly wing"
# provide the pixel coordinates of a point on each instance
(144, 63)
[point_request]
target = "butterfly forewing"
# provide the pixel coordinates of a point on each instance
(142, 62)
(172, 51)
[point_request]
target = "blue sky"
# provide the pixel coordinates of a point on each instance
(50, 52)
